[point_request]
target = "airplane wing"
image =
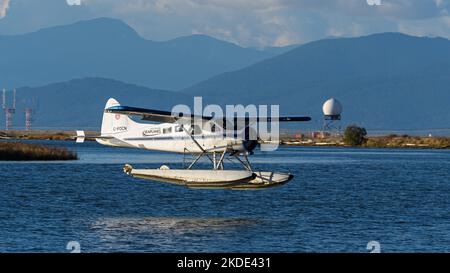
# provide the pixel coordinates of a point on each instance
(168, 117)
(150, 114)
(269, 119)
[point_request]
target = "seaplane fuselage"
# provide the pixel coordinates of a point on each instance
(168, 137)
(120, 130)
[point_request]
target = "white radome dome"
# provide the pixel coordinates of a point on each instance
(332, 107)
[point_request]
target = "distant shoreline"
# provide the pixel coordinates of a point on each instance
(388, 141)
(66, 135)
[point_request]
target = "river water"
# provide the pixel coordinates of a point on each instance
(339, 200)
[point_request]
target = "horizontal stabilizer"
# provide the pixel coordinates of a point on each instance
(81, 137)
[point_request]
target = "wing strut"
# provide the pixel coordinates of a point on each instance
(200, 147)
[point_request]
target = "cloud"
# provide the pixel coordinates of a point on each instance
(249, 23)
(271, 22)
(4, 4)
(73, 2)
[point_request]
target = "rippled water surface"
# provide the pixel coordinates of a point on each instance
(339, 200)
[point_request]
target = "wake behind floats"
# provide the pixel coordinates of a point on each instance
(205, 134)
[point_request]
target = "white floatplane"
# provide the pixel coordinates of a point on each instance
(180, 133)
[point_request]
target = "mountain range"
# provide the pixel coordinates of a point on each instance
(110, 48)
(384, 81)
(388, 81)
(79, 103)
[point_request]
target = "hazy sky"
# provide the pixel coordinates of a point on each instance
(245, 22)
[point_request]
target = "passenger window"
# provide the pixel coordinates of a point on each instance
(178, 128)
(167, 130)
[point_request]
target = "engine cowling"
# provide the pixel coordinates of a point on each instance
(250, 145)
(247, 143)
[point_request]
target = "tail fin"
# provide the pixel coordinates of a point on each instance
(114, 123)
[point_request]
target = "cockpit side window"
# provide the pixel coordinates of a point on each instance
(218, 126)
(196, 130)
